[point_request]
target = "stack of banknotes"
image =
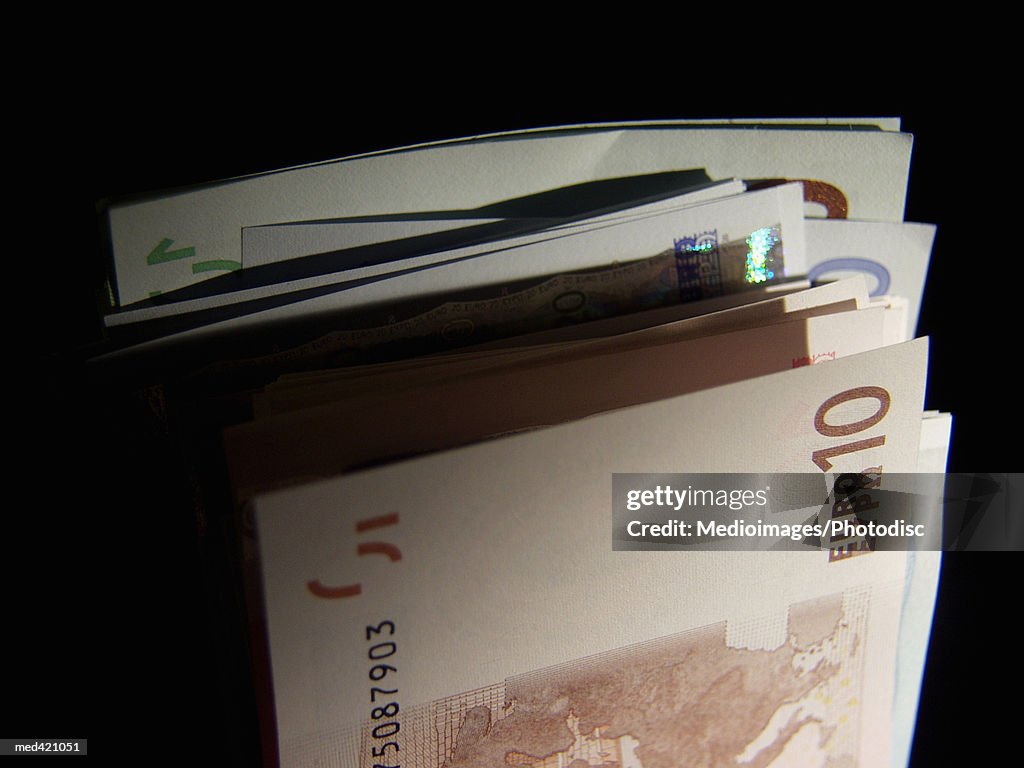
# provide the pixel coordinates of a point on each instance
(449, 355)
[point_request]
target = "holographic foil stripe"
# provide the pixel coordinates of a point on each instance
(708, 266)
(762, 254)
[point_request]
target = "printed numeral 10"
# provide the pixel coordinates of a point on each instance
(821, 457)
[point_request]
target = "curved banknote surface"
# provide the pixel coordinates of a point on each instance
(413, 604)
(708, 697)
(697, 267)
(783, 690)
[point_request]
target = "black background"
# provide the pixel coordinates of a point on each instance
(110, 633)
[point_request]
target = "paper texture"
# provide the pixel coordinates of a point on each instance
(391, 410)
(271, 243)
(296, 236)
(729, 219)
(868, 168)
(894, 257)
(920, 589)
(504, 569)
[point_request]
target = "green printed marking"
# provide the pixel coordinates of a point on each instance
(215, 265)
(154, 293)
(161, 254)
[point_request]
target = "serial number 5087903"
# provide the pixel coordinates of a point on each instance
(384, 709)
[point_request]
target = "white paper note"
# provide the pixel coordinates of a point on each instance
(182, 238)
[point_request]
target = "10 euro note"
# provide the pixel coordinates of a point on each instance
(466, 607)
